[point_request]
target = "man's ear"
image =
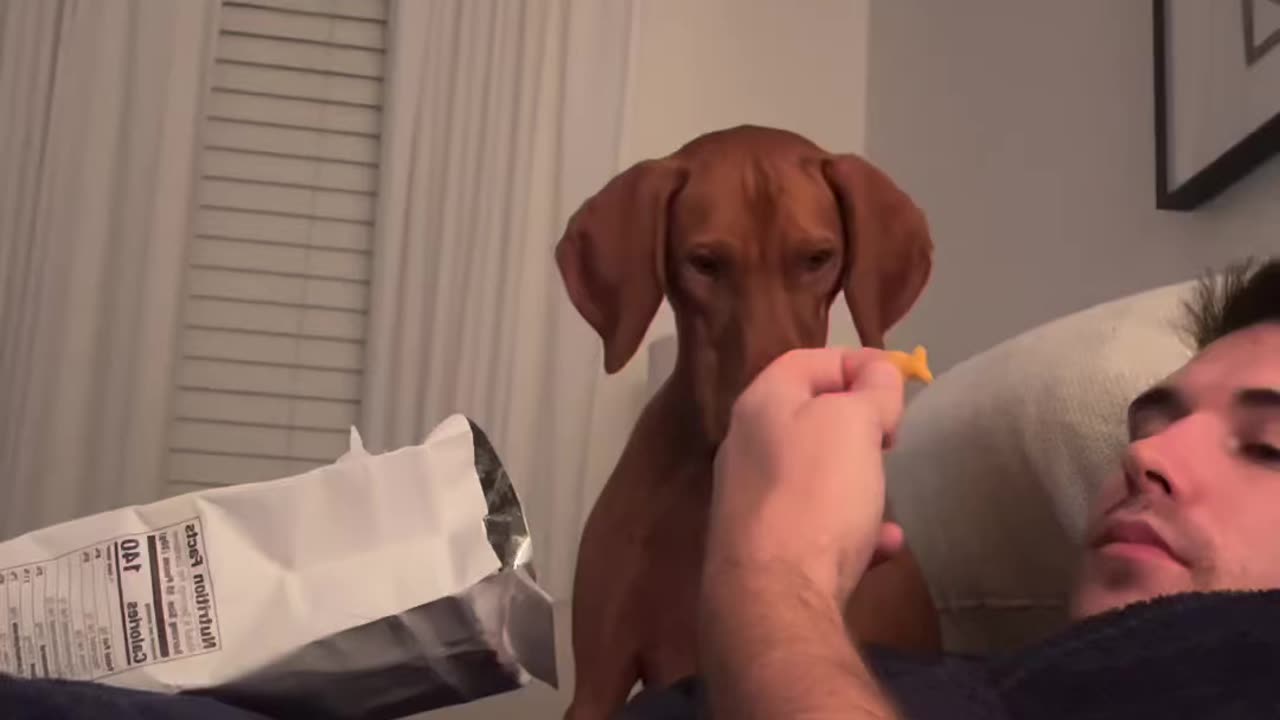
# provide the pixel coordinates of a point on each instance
(612, 251)
(888, 251)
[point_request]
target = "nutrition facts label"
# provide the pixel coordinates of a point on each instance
(120, 604)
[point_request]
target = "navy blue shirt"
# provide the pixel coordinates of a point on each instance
(63, 700)
(1194, 656)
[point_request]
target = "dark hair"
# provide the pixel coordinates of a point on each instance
(1245, 294)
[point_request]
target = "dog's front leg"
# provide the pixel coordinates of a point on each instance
(607, 624)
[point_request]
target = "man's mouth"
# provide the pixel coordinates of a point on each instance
(1135, 538)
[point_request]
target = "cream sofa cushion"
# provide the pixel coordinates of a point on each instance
(996, 461)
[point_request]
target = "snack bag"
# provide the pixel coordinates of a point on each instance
(376, 587)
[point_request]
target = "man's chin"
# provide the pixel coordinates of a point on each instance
(1110, 583)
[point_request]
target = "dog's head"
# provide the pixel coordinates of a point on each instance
(750, 233)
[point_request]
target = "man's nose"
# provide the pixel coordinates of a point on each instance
(1144, 473)
(1164, 462)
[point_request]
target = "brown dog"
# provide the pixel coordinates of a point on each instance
(750, 233)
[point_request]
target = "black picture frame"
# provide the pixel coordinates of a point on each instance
(1238, 161)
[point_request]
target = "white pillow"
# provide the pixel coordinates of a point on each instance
(995, 462)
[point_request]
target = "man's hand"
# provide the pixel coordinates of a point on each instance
(799, 480)
(796, 518)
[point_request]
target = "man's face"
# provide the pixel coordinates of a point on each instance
(1196, 505)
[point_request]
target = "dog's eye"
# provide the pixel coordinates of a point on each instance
(706, 264)
(818, 259)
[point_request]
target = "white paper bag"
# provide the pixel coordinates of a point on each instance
(376, 587)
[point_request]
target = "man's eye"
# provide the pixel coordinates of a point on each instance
(1261, 452)
(1143, 425)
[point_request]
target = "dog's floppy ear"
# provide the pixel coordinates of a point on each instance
(612, 252)
(888, 251)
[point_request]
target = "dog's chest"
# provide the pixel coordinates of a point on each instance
(670, 583)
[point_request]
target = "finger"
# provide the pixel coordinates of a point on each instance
(805, 373)
(872, 376)
(889, 543)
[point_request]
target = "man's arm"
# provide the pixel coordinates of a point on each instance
(777, 648)
(892, 608)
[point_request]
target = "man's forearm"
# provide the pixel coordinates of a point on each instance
(774, 647)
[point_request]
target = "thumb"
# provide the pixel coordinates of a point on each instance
(888, 543)
(871, 375)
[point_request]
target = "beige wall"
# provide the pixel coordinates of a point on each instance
(1024, 128)
(701, 66)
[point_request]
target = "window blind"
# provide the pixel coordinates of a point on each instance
(272, 341)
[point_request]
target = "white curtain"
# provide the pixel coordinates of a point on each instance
(501, 117)
(99, 103)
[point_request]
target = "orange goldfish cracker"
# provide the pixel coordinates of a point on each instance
(913, 365)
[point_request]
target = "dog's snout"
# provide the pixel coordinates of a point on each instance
(760, 359)
(771, 329)
(758, 349)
